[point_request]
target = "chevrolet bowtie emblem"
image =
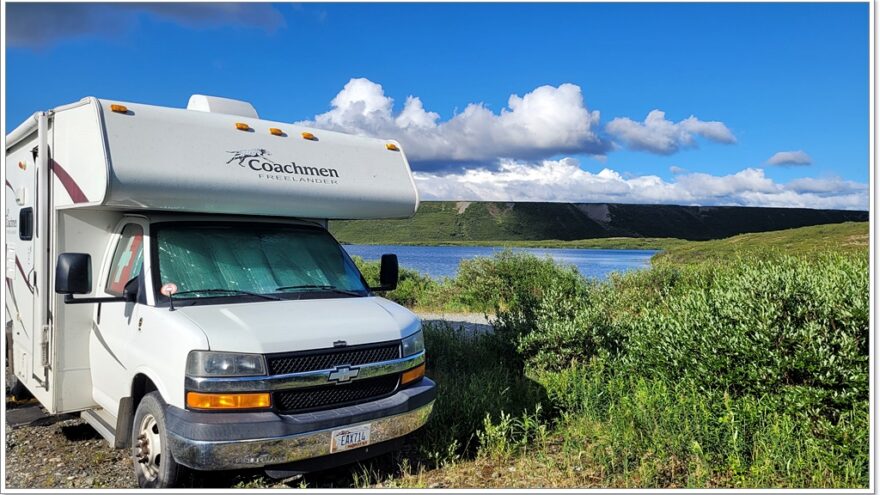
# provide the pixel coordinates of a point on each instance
(342, 374)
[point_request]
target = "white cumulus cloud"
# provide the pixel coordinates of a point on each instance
(659, 135)
(790, 158)
(544, 122)
(564, 180)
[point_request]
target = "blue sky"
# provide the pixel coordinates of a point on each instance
(758, 79)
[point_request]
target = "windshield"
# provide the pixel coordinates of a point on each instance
(256, 260)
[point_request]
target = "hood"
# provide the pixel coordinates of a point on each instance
(296, 325)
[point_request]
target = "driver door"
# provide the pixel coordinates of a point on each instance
(115, 322)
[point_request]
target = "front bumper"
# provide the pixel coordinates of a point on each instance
(219, 441)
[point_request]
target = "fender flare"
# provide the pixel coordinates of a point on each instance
(127, 407)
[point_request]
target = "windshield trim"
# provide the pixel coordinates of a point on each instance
(164, 301)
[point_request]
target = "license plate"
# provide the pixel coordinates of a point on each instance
(350, 438)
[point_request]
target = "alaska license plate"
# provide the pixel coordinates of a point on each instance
(350, 438)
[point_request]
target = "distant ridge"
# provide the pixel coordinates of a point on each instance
(456, 221)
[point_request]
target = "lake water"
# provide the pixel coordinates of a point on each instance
(442, 261)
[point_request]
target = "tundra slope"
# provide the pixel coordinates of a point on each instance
(449, 221)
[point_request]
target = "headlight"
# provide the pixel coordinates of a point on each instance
(209, 364)
(413, 344)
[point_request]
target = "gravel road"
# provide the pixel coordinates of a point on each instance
(64, 452)
(473, 322)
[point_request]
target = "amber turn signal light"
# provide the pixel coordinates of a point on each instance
(198, 400)
(413, 374)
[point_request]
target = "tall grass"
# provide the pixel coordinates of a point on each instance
(474, 382)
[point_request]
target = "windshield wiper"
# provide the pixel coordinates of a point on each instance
(329, 288)
(229, 291)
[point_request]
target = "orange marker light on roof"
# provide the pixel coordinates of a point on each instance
(309, 136)
(392, 147)
(241, 126)
(119, 108)
(276, 131)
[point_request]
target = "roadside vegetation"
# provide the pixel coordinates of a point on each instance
(745, 368)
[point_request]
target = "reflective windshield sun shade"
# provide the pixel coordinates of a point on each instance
(254, 257)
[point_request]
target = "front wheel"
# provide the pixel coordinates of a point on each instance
(154, 466)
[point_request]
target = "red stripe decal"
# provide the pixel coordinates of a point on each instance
(9, 185)
(69, 184)
(25, 277)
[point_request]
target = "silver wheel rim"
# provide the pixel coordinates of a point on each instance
(148, 450)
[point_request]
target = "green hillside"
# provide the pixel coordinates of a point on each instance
(596, 243)
(842, 237)
(466, 222)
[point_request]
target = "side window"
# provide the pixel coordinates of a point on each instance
(127, 259)
(26, 223)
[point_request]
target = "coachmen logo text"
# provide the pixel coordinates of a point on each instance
(258, 160)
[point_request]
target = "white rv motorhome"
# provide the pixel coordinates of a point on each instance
(170, 276)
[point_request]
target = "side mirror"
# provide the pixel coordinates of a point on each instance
(130, 291)
(388, 272)
(73, 273)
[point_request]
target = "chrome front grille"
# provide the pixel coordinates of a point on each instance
(325, 359)
(310, 399)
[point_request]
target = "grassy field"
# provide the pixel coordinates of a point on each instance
(738, 363)
(849, 237)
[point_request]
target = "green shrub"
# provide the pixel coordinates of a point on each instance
(741, 373)
(413, 288)
(789, 327)
(512, 285)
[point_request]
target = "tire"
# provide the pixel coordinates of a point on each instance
(18, 390)
(153, 468)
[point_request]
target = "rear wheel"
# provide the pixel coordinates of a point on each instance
(18, 390)
(154, 464)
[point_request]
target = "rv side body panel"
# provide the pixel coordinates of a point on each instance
(50, 339)
(26, 264)
(80, 230)
(20, 185)
(79, 162)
